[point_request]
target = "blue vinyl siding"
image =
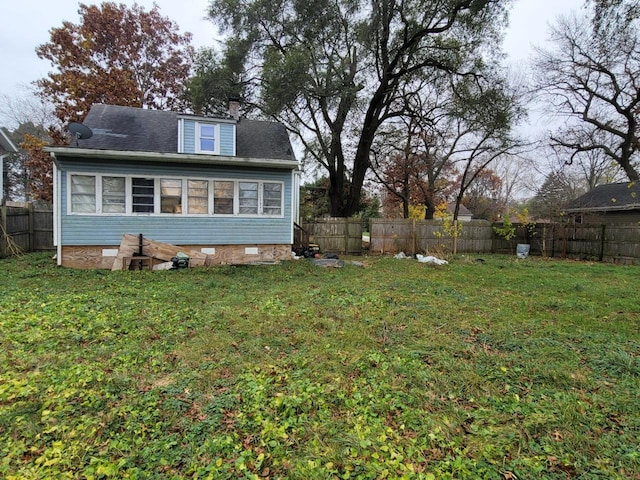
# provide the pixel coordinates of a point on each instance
(180, 230)
(189, 136)
(227, 137)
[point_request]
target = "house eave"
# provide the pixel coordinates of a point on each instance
(5, 142)
(621, 208)
(180, 158)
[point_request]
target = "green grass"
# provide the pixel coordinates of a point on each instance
(500, 369)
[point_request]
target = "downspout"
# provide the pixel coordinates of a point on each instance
(57, 205)
(2, 157)
(295, 202)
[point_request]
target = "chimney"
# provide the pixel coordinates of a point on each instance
(234, 108)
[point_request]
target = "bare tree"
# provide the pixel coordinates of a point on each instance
(29, 118)
(407, 157)
(592, 80)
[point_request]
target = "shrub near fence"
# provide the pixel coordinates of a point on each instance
(25, 229)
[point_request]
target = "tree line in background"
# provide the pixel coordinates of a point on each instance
(398, 104)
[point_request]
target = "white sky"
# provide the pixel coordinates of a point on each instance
(25, 24)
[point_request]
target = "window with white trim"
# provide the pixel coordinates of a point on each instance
(114, 195)
(142, 195)
(223, 193)
(170, 195)
(206, 138)
(248, 198)
(198, 197)
(124, 195)
(83, 193)
(272, 198)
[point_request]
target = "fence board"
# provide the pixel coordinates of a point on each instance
(43, 230)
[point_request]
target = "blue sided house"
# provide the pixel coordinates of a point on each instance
(227, 187)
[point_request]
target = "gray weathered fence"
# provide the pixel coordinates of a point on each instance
(25, 229)
(612, 243)
(336, 235)
(420, 236)
(609, 243)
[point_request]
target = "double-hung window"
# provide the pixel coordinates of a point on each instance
(170, 195)
(223, 194)
(113, 194)
(248, 198)
(198, 197)
(206, 141)
(271, 198)
(83, 193)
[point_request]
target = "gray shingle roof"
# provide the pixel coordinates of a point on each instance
(6, 145)
(141, 130)
(612, 196)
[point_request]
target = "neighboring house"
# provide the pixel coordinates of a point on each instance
(6, 148)
(615, 203)
(464, 214)
(227, 187)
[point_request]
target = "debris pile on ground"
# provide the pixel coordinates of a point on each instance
(333, 261)
(422, 258)
(160, 254)
(430, 259)
(328, 262)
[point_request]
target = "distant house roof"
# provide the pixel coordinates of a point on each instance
(132, 129)
(609, 197)
(463, 211)
(6, 144)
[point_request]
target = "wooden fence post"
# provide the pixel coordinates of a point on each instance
(346, 235)
(414, 239)
(602, 234)
(30, 226)
(3, 231)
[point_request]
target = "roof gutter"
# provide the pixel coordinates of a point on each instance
(185, 158)
(633, 206)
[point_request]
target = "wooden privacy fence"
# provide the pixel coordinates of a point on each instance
(25, 229)
(336, 235)
(420, 236)
(609, 243)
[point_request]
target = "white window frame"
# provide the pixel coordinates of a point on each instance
(129, 198)
(96, 188)
(185, 196)
(100, 181)
(216, 138)
(185, 182)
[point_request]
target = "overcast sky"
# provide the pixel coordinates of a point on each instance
(25, 24)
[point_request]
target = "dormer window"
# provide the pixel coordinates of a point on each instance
(206, 138)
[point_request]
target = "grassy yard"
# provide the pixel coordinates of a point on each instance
(501, 369)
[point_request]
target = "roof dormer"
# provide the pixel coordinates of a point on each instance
(207, 136)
